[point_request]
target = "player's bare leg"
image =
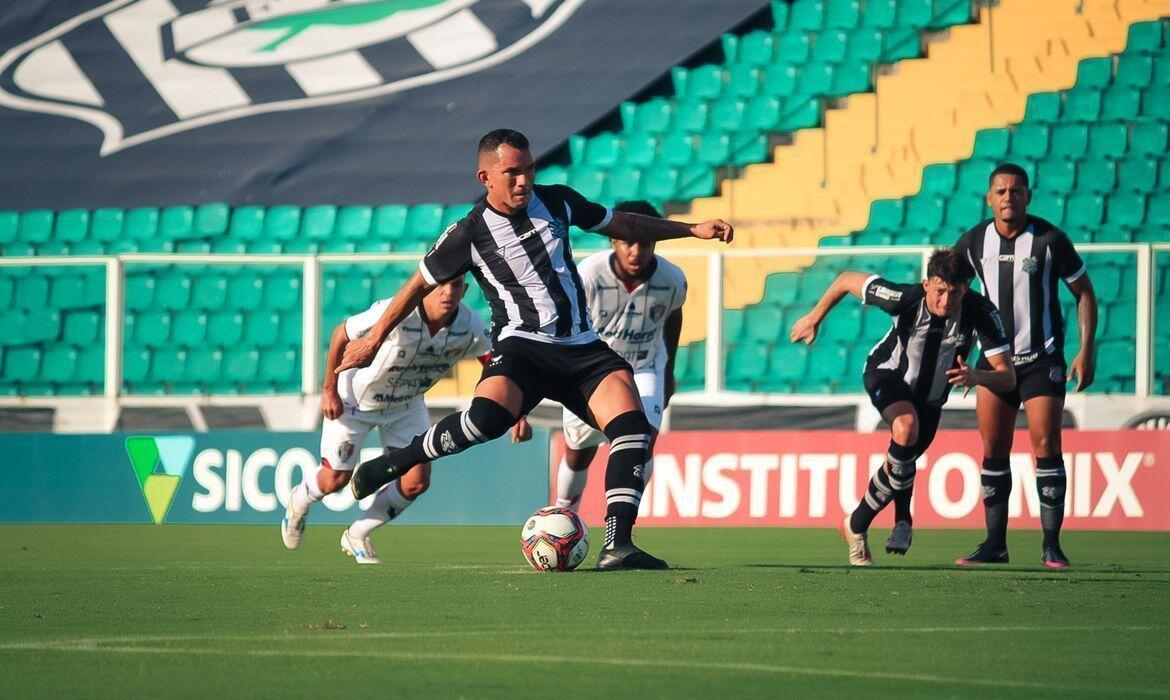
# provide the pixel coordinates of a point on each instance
(895, 477)
(615, 407)
(997, 425)
(1044, 419)
(572, 476)
(311, 490)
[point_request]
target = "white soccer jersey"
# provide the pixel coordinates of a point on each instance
(411, 360)
(632, 323)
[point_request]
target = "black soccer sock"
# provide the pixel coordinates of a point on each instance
(1050, 484)
(902, 462)
(482, 421)
(877, 496)
(629, 445)
(996, 479)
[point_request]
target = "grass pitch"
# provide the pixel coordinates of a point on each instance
(141, 611)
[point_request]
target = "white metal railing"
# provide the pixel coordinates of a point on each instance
(311, 267)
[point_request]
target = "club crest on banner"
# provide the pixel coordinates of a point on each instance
(142, 70)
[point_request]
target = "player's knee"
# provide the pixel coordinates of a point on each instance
(1046, 445)
(905, 429)
(627, 424)
(488, 419)
(330, 480)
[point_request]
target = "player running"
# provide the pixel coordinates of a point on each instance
(1019, 259)
(910, 372)
(635, 303)
(516, 245)
(386, 396)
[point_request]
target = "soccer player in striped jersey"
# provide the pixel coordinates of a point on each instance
(635, 303)
(910, 372)
(516, 245)
(1019, 259)
(386, 396)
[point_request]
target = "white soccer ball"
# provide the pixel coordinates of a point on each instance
(554, 539)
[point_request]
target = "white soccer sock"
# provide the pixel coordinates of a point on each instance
(388, 504)
(570, 486)
(306, 494)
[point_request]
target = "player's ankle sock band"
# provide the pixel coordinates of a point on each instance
(629, 445)
(996, 480)
(618, 531)
(1051, 482)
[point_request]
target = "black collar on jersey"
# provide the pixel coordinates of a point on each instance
(640, 280)
(523, 212)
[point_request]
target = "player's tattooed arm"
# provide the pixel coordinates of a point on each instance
(1083, 368)
(848, 282)
(627, 226)
(361, 352)
(671, 332)
(331, 406)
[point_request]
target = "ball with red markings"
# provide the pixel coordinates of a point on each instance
(554, 539)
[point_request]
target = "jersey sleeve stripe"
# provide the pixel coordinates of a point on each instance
(604, 220)
(422, 268)
(865, 286)
(1076, 275)
(996, 351)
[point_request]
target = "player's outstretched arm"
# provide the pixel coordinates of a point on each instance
(627, 226)
(331, 406)
(360, 352)
(1001, 377)
(806, 327)
(1084, 366)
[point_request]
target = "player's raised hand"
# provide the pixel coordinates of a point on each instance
(331, 406)
(358, 353)
(805, 329)
(961, 375)
(1083, 369)
(714, 229)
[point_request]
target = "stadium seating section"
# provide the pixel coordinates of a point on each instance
(1097, 153)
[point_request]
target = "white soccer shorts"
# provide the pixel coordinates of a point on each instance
(579, 434)
(342, 438)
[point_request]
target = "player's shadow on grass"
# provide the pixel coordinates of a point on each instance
(1077, 573)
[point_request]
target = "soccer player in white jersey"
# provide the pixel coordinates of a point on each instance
(635, 303)
(386, 396)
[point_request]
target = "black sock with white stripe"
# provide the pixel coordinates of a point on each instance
(902, 454)
(996, 479)
(896, 476)
(629, 447)
(1051, 482)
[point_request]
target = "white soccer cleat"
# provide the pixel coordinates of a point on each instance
(900, 538)
(858, 545)
(360, 549)
(292, 525)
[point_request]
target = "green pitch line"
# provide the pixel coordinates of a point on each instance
(132, 611)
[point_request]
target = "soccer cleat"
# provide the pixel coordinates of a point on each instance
(368, 478)
(985, 553)
(858, 545)
(361, 550)
(628, 556)
(292, 525)
(1054, 557)
(900, 538)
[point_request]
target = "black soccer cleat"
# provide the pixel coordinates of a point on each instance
(368, 477)
(1053, 557)
(627, 556)
(985, 553)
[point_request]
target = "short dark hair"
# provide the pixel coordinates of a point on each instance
(638, 206)
(495, 138)
(1009, 169)
(950, 266)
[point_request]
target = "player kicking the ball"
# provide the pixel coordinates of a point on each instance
(516, 245)
(386, 396)
(910, 372)
(635, 303)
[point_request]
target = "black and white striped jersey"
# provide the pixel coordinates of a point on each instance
(1019, 275)
(524, 264)
(921, 347)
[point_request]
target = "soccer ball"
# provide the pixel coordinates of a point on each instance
(554, 539)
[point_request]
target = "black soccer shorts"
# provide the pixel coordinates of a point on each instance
(1044, 376)
(887, 388)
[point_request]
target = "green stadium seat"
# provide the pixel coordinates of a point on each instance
(188, 247)
(845, 326)
(1159, 212)
(139, 290)
(807, 15)
(152, 328)
(71, 225)
(1145, 37)
(229, 246)
(12, 325)
(865, 45)
(1083, 106)
(756, 48)
(1069, 141)
(91, 366)
(1094, 73)
(1156, 103)
(389, 221)
(1121, 104)
(743, 81)
(1127, 209)
(225, 328)
(827, 365)
(1162, 69)
(203, 365)
(843, 14)
(318, 222)
(247, 223)
(245, 289)
(168, 364)
(603, 150)
(653, 116)
(1148, 139)
(800, 113)
(868, 238)
(261, 329)
(278, 365)
(830, 46)
(282, 223)
(915, 13)
(694, 181)
(1056, 175)
(141, 224)
(689, 115)
(948, 13)
(780, 79)
(177, 222)
(553, 175)
(925, 213)
(972, 178)
(189, 328)
(781, 9)
(815, 78)
(32, 291)
(882, 14)
(589, 182)
(67, 291)
(1055, 207)
(212, 219)
(748, 147)
(659, 184)
(136, 363)
(240, 364)
(746, 366)
(1030, 141)
(355, 291)
(1122, 321)
(424, 221)
(35, 226)
(1115, 365)
(336, 247)
(939, 179)
(781, 288)
(282, 291)
(1097, 175)
(733, 325)
(714, 148)
(762, 113)
(727, 114)
(789, 363)
(793, 48)
(9, 226)
(22, 364)
(763, 323)
(625, 184)
(1043, 108)
(1138, 174)
(1134, 70)
(1107, 140)
(850, 79)
(173, 290)
(702, 82)
(354, 221)
(7, 287)
(82, 328)
(642, 149)
(209, 291)
(677, 148)
(991, 144)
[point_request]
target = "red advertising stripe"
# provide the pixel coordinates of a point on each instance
(1117, 480)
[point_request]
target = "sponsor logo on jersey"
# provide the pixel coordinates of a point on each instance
(1007, 257)
(160, 464)
(198, 63)
(886, 293)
